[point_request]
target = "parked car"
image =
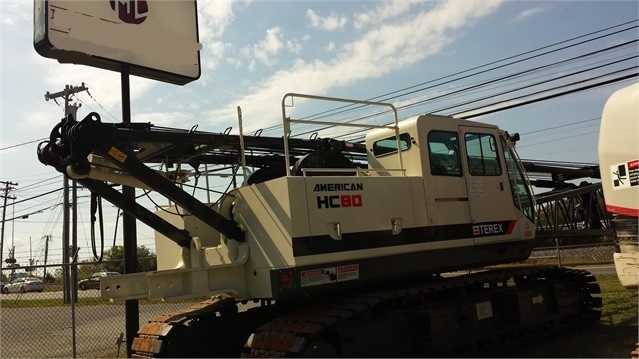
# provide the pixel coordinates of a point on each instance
(93, 282)
(22, 285)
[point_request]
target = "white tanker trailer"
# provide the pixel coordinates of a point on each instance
(619, 164)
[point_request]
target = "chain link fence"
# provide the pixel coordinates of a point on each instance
(50, 324)
(62, 321)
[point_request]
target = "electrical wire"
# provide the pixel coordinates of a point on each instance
(482, 69)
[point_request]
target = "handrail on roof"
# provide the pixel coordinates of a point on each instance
(287, 121)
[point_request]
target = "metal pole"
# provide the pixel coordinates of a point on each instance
(66, 249)
(129, 233)
(74, 265)
(46, 255)
(66, 288)
(4, 212)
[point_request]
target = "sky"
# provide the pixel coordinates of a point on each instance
(254, 52)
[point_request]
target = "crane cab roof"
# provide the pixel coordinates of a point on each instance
(423, 124)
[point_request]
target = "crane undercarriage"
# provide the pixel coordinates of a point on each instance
(490, 313)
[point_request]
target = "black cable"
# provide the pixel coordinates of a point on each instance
(115, 231)
(496, 80)
(528, 86)
(560, 126)
(96, 205)
(499, 79)
(583, 88)
(34, 197)
(337, 110)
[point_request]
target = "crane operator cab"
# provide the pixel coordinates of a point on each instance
(471, 172)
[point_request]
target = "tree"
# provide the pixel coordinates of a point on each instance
(114, 259)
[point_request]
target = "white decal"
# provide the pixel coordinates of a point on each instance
(317, 276)
(329, 275)
(348, 272)
(625, 174)
(484, 310)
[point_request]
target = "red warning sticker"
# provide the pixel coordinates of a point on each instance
(328, 275)
(348, 272)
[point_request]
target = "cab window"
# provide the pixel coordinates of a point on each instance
(443, 153)
(389, 145)
(482, 155)
(522, 196)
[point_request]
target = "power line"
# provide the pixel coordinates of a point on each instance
(526, 86)
(448, 95)
(544, 98)
(482, 69)
(34, 197)
(21, 144)
(99, 104)
(560, 126)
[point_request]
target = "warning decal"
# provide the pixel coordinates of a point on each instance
(348, 272)
(625, 174)
(329, 275)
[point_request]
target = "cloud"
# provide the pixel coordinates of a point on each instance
(382, 50)
(528, 13)
(267, 50)
(214, 18)
(383, 12)
(330, 23)
(15, 13)
(294, 46)
(270, 46)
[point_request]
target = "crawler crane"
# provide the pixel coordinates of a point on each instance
(344, 247)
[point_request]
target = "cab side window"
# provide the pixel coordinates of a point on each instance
(482, 155)
(388, 145)
(443, 153)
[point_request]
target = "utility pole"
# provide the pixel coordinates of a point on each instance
(66, 94)
(69, 109)
(47, 238)
(5, 195)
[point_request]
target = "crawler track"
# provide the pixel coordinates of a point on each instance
(485, 313)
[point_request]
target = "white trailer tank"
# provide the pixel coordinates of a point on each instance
(619, 165)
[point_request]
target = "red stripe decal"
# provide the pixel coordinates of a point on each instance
(632, 212)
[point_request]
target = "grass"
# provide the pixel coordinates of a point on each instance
(615, 336)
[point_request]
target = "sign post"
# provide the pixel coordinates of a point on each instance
(153, 39)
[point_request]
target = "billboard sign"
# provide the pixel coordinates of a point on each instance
(157, 38)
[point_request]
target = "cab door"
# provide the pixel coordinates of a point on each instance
(490, 199)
